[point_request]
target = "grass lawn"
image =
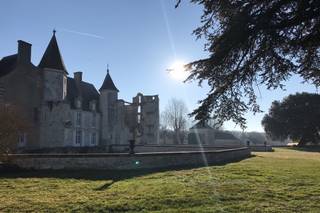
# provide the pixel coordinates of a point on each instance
(286, 180)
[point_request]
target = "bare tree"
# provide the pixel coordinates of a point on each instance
(175, 118)
(12, 127)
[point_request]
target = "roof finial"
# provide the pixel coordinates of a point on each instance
(107, 68)
(54, 31)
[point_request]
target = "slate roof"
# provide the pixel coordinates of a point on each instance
(225, 135)
(108, 83)
(52, 57)
(201, 125)
(7, 64)
(86, 90)
(219, 134)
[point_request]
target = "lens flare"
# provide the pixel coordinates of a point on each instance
(177, 71)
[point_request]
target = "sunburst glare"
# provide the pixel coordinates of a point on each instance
(177, 71)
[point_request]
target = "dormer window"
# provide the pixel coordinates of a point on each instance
(93, 106)
(78, 103)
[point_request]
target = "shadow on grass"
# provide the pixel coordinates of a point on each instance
(112, 176)
(255, 156)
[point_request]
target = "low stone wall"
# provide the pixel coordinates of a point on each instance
(124, 161)
(116, 148)
(267, 148)
(228, 143)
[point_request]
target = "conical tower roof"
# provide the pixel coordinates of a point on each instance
(108, 83)
(52, 57)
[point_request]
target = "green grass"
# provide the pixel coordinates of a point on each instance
(282, 181)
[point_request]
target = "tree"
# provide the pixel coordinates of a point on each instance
(296, 117)
(214, 124)
(12, 126)
(252, 43)
(175, 117)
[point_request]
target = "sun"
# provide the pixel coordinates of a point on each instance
(177, 71)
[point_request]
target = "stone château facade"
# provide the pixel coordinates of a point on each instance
(69, 112)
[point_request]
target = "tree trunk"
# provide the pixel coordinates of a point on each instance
(305, 139)
(302, 141)
(177, 137)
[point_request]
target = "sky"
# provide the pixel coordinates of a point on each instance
(139, 40)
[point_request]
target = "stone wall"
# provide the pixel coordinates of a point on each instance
(55, 87)
(59, 125)
(127, 161)
(228, 143)
(148, 117)
(163, 148)
(267, 148)
(22, 87)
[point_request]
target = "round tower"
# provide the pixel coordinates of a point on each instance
(54, 72)
(108, 104)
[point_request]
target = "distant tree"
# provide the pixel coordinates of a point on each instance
(297, 117)
(258, 138)
(166, 135)
(252, 43)
(175, 118)
(12, 127)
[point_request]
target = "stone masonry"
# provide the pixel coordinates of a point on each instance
(69, 112)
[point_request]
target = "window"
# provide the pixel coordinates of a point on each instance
(94, 120)
(78, 120)
(35, 114)
(64, 87)
(78, 103)
(93, 138)
(93, 106)
(78, 137)
(22, 139)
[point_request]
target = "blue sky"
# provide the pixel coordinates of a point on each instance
(138, 39)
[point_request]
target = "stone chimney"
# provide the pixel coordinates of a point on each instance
(77, 77)
(24, 52)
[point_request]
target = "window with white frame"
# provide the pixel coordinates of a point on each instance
(93, 138)
(78, 137)
(78, 119)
